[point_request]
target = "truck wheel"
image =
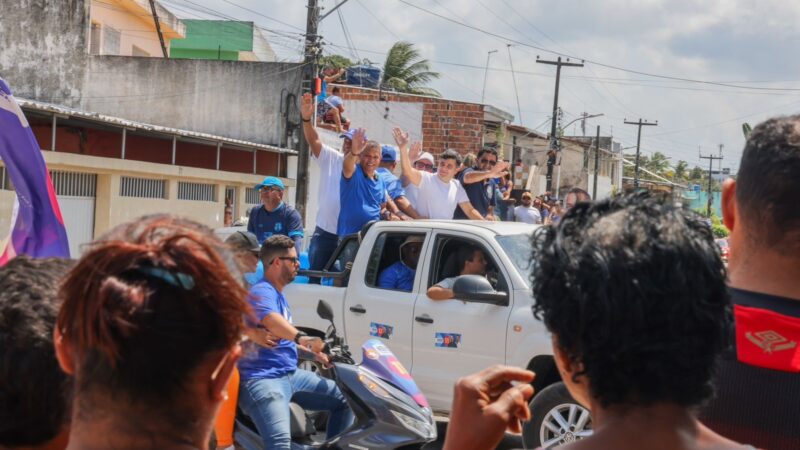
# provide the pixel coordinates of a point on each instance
(556, 419)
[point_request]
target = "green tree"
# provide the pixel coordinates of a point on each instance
(658, 163)
(337, 61)
(405, 71)
(681, 169)
(696, 174)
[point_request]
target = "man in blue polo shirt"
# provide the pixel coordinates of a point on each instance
(394, 187)
(400, 275)
(362, 193)
(270, 378)
(275, 216)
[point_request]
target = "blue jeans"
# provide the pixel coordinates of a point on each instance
(322, 246)
(266, 401)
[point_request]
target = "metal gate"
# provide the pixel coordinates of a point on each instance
(76, 194)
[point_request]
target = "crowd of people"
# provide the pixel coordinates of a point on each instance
(136, 344)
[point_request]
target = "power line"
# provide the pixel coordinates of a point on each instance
(597, 63)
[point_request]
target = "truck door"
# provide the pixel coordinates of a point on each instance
(382, 303)
(454, 338)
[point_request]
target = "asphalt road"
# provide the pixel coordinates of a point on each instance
(509, 442)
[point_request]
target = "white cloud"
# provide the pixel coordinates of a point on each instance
(729, 40)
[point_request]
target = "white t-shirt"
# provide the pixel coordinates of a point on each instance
(330, 170)
(527, 215)
(412, 192)
(437, 199)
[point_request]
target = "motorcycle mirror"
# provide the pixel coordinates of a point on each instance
(324, 310)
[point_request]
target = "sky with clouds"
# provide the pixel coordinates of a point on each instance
(720, 62)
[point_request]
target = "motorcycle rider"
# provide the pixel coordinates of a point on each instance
(270, 378)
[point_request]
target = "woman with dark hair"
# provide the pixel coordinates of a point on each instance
(150, 326)
(633, 291)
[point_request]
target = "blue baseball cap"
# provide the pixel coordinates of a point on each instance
(271, 181)
(349, 134)
(388, 153)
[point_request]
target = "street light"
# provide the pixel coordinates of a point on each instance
(486, 72)
(580, 118)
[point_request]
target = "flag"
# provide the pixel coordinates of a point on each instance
(38, 228)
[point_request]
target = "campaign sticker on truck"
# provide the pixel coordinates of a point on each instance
(380, 330)
(448, 340)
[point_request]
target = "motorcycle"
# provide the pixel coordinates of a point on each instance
(390, 410)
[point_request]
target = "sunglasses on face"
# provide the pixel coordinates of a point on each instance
(292, 259)
(423, 166)
(489, 162)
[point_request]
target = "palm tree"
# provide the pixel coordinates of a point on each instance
(658, 163)
(404, 71)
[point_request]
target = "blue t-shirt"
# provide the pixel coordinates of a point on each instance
(360, 200)
(481, 195)
(260, 362)
(397, 276)
(283, 220)
(394, 187)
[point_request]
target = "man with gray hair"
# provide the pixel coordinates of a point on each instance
(439, 193)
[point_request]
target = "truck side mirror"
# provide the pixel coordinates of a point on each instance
(476, 288)
(324, 310)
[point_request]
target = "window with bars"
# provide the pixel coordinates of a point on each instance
(252, 196)
(197, 191)
(142, 187)
(74, 184)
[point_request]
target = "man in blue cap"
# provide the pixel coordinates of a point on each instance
(394, 187)
(275, 216)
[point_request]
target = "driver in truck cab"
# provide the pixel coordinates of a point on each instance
(270, 378)
(471, 260)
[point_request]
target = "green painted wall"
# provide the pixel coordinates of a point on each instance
(213, 39)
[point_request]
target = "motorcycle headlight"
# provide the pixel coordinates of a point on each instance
(426, 428)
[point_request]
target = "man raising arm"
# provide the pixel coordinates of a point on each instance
(439, 193)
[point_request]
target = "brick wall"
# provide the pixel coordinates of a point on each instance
(445, 123)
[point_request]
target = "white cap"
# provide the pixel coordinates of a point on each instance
(427, 157)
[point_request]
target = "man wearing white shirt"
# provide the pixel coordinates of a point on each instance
(439, 193)
(324, 240)
(526, 212)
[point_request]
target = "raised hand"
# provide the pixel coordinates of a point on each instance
(416, 151)
(400, 136)
(359, 141)
(306, 106)
(500, 168)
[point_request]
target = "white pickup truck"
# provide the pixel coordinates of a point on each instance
(440, 341)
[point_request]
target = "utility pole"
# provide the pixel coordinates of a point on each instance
(710, 159)
(514, 78)
(309, 71)
(640, 123)
(486, 73)
(596, 162)
(158, 28)
(553, 136)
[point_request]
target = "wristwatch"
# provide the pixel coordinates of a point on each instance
(305, 120)
(300, 334)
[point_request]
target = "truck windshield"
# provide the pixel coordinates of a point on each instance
(518, 249)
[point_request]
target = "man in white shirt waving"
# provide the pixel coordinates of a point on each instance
(439, 193)
(324, 240)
